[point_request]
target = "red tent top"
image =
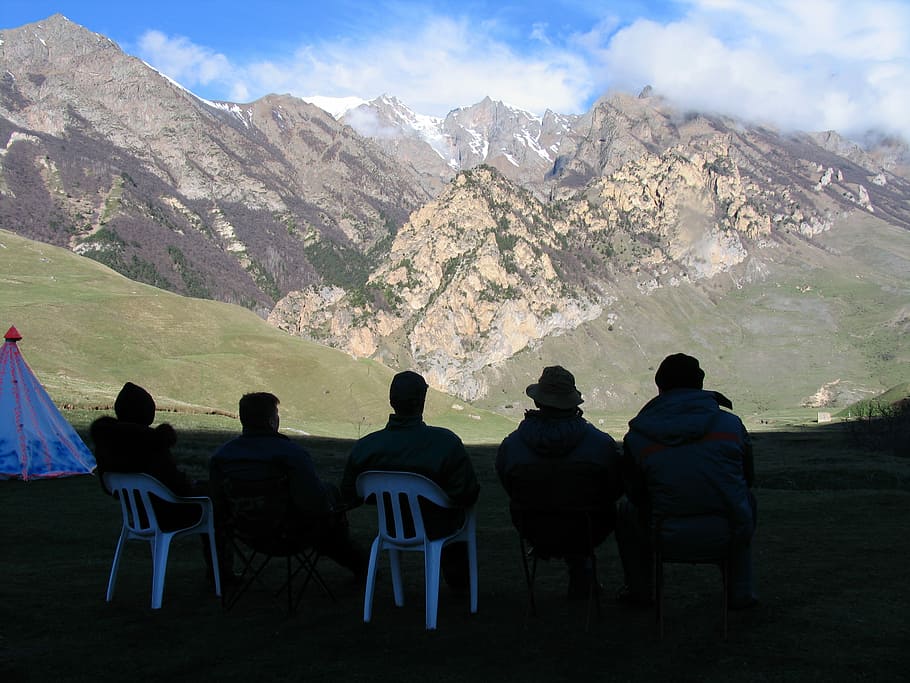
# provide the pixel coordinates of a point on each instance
(12, 335)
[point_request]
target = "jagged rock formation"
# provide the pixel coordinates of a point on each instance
(639, 193)
(473, 278)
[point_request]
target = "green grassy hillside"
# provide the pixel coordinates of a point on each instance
(770, 334)
(900, 392)
(86, 330)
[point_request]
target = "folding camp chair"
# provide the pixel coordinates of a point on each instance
(260, 523)
(668, 552)
(561, 510)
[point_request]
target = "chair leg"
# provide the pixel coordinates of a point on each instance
(472, 572)
(249, 575)
(659, 592)
(725, 574)
(160, 547)
(397, 583)
(593, 592)
(115, 565)
(529, 579)
(431, 569)
(216, 570)
(290, 585)
(308, 562)
(371, 582)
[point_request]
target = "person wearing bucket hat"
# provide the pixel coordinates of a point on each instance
(408, 444)
(553, 439)
(689, 463)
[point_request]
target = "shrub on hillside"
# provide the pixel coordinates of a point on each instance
(881, 426)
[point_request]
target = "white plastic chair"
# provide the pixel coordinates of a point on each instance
(400, 491)
(140, 523)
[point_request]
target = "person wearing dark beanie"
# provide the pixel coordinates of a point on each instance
(135, 404)
(689, 464)
(128, 443)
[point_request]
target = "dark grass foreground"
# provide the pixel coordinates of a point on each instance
(832, 555)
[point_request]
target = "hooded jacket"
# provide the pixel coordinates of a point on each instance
(688, 459)
(559, 460)
(551, 437)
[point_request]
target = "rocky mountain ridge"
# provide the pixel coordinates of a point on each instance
(521, 146)
(457, 246)
(673, 201)
(271, 191)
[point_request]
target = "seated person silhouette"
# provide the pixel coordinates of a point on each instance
(689, 462)
(316, 503)
(408, 444)
(561, 459)
(128, 443)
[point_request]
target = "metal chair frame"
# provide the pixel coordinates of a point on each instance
(258, 525)
(721, 560)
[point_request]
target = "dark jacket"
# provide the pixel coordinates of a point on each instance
(561, 461)
(271, 448)
(568, 438)
(408, 444)
(687, 458)
(131, 447)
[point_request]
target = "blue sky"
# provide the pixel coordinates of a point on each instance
(808, 64)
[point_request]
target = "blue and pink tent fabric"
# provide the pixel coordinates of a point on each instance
(36, 441)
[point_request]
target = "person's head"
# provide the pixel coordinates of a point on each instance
(555, 389)
(259, 411)
(408, 393)
(679, 371)
(135, 404)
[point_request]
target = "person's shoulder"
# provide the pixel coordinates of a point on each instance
(226, 449)
(365, 441)
(598, 433)
(730, 419)
(103, 424)
(166, 434)
(443, 433)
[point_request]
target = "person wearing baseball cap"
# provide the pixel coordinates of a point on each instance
(408, 444)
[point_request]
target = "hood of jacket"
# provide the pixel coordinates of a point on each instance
(677, 416)
(551, 437)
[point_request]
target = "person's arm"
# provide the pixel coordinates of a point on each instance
(307, 490)
(348, 487)
(613, 459)
(460, 481)
(633, 478)
(748, 460)
(500, 465)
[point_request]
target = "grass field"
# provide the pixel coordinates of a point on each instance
(830, 561)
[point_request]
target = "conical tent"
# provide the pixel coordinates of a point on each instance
(36, 441)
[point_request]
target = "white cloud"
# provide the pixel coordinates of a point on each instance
(807, 64)
(433, 67)
(185, 62)
(811, 65)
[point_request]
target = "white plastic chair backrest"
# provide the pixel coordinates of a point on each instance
(134, 490)
(396, 491)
